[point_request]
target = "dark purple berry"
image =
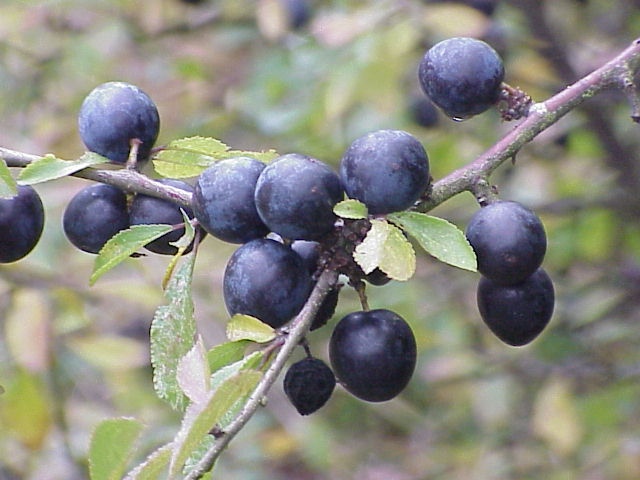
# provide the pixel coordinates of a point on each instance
(21, 224)
(309, 384)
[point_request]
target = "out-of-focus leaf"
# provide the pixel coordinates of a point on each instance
(387, 248)
(27, 329)
(173, 331)
(199, 420)
(438, 237)
(50, 167)
(110, 352)
(25, 409)
(193, 373)
(8, 186)
(351, 208)
(246, 327)
(555, 417)
(123, 244)
(112, 446)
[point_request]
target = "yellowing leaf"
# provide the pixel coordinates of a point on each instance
(8, 186)
(555, 418)
(246, 327)
(385, 247)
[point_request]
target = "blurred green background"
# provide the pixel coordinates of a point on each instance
(565, 407)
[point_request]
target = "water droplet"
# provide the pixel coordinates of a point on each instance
(459, 119)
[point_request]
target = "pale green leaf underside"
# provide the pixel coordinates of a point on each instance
(50, 167)
(188, 157)
(153, 467)
(122, 245)
(246, 327)
(199, 420)
(173, 331)
(226, 353)
(385, 247)
(442, 239)
(112, 445)
(351, 208)
(8, 186)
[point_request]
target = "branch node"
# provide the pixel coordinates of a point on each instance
(513, 103)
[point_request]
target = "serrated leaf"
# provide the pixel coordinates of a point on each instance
(350, 208)
(122, 245)
(438, 237)
(226, 354)
(8, 185)
(193, 373)
(246, 327)
(50, 167)
(188, 157)
(385, 247)
(153, 466)
(173, 331)
(112, 445)
(200, 419)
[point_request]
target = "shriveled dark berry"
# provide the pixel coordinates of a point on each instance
(309, 384)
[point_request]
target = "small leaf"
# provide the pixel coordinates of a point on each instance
(385, 247)
(112, 445)
(153, 466)
(438, 237)
(173, 330)
(350, 208)
(8, 186)
(246, 327)
(122, 245)
(226, 354)
(50, 167)
(193, 373)
(181, 244)
(188, 157)
(200, 419)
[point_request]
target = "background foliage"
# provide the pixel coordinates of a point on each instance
(565, 407)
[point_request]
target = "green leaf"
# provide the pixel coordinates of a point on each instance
(173, 331)
(50, 167)
(153, 466)
(386, 247)
(112, 445)
(246, 327)
(188, 157)
(350, 208)
(438, 237)
(200, 419)
(226, 354)
(8, 186)
(122, 245)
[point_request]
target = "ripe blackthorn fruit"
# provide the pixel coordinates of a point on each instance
(463, 76)
(309, 384)
(509, 241)
(148, 210)
(298, 12)
(223, 200)
(94, 215)
(115, 113)
(377, 277)
(295, 196)
(423, 111)
(387, 170)
(517, 314)
(267, 280)
(21, 224)
(373, 354)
